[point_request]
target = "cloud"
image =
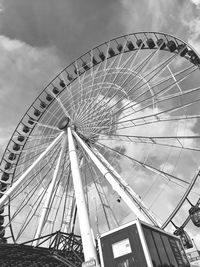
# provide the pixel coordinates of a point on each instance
(72, 26)
(25, 71)
(190, 21)
(196, 3)
(156, 190)
(179, 18)
(194, 33)
(37, 37)
(148, 15)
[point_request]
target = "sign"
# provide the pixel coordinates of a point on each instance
(121, 248)
(90, 263)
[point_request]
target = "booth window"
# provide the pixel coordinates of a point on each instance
(121, 248)
(152, 248)
(164, 250)
(161, 249)
(169, 250)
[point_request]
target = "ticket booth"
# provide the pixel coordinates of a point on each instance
(138, 244)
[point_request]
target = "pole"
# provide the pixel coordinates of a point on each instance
(109, 177)
(130, 191)
(18, 183)
(50, 193)
(195, 246)
(86, 234)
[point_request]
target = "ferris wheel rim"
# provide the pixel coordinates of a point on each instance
(64, 69)
(45, 91)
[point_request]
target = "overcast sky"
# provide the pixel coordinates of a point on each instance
(39, 37)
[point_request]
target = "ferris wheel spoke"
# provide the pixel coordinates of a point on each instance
(48, 112)
(158, 115)
(94, 75)
(28, 157)
(62, 107)
(159, 120)
(76, 68)
(173, 141)
(159, 71)
(146, 166)
(141, 65)
(167, 88)
(87, 116)
(132, 74)
(45, 208)
(38, 140)
(38, 137)
(93, 174)
(178, 94)
(81, 85)
(104, 76)
(33, 209)
(35, 175)
(57, 196)
(19, 181)
(26, 199)
(101, 193)
(171, 76)
(18, 169)
(85, 110)
(35, 147)
(121, 70)
(127, 106)
(71, 105)
(182, 200)
(31, 156)
(130, 62)
(65, 208)
(47, 126)
(174, 78)
(163, 90)
(97, 116)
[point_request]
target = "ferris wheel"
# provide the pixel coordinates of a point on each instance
(114, 136)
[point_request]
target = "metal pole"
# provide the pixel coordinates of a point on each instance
(195, 246)
(19, 181)
(86, 234)
(130, 191)
(50, 193)
(144, 244)
(109, 177)
(169, 219)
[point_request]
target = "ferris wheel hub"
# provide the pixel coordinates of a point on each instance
(64, 123)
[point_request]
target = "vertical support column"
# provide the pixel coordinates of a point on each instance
(109, 177)
(144, 244)
(19, 181)
(130, 191)
(49, 194)
(86, 234)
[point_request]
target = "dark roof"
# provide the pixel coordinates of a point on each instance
(12, 255)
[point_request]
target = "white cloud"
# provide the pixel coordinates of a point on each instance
(161, 157)
(145, 15)
(194, 37)
(196, 2)
(190, 20)
(25, 71)
(169, 128)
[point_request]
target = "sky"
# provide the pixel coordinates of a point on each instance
(38, 38)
